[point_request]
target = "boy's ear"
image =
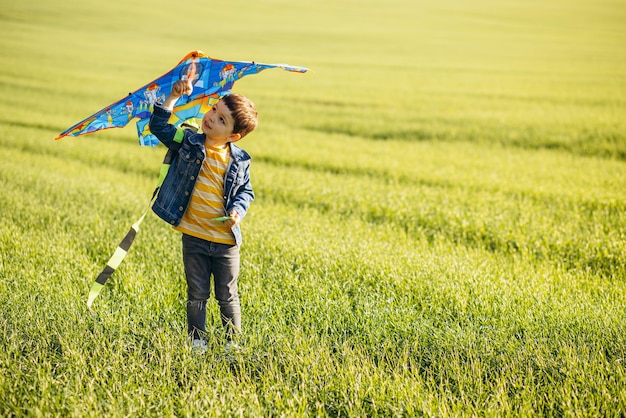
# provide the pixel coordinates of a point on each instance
(234, 137)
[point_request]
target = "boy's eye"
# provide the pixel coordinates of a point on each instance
(222, 120)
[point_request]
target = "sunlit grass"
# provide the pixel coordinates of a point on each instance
(439, 226)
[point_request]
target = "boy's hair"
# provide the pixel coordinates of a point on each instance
(244, 113)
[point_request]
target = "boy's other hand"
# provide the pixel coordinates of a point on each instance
(234, 219)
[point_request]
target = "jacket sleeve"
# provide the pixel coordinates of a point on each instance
(165, 132)
(243, 194)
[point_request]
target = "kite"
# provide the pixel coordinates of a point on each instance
(211, 79)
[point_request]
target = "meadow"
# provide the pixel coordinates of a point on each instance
(439, 228)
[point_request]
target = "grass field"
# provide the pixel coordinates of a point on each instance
(439, 229)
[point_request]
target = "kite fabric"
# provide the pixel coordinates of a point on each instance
(211, 79)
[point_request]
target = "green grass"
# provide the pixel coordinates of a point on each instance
(439, 230)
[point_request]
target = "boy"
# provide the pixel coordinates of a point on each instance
(209, 178)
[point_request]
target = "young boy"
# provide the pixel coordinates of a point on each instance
(209, 178)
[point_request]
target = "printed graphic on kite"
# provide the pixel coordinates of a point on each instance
(211, 79)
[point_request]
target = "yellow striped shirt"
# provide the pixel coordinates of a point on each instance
(207, 200)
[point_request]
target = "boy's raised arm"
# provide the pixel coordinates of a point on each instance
(159, 125)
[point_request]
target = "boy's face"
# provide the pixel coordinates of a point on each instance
(218, 123)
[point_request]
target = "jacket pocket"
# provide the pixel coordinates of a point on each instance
(187, 159)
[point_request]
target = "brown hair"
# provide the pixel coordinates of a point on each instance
(244, 113)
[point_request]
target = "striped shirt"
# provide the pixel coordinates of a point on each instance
(207, 200)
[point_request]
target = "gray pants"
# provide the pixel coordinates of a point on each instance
(203, 259)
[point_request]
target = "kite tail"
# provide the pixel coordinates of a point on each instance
(124, 246)
(115, 260)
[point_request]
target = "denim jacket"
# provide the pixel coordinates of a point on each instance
(188, 155)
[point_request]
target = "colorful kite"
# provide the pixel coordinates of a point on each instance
(211, 79)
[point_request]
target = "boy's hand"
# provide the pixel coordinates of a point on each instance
(234, 219)
(178, 89)
(181, 87)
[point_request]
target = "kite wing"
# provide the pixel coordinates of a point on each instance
(211, 79)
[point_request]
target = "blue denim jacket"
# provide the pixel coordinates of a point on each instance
(188, 155)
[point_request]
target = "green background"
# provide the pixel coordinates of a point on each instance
(439, 228)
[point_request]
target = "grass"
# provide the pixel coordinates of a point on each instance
(440, 224)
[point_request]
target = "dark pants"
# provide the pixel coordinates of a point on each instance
(203, 259)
